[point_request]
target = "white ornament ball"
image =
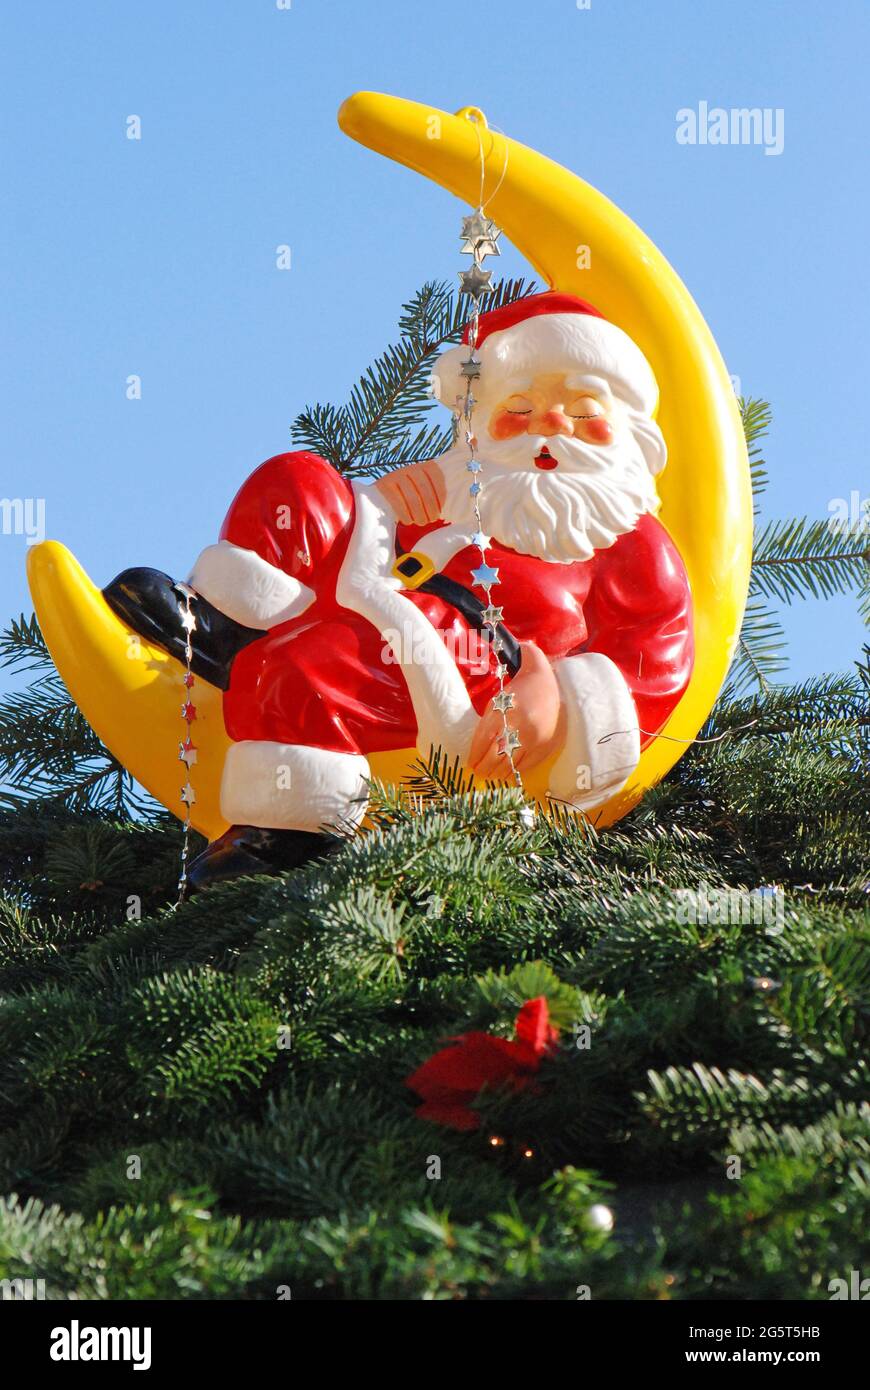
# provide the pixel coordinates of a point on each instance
(599, 1217)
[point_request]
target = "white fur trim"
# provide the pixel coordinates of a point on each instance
(440, 546)
(569, 343)
(246, 587)
(445, 715)
(285, 786)
(598, 703)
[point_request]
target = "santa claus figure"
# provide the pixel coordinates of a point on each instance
(345, 618)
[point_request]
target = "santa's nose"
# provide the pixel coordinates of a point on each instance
(553, 421)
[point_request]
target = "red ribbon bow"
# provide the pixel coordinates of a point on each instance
(451, 1079)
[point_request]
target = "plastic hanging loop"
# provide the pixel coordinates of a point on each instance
(473, 114)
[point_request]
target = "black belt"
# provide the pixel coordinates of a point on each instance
(463, 600)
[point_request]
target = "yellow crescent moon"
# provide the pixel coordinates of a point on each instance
(131, 694)
(551, 215)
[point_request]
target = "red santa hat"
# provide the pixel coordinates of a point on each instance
(550, 332)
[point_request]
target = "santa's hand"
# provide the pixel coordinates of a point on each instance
(535, 715)
(415, 493)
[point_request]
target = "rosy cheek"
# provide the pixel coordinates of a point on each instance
(596, 431)
(508, 426)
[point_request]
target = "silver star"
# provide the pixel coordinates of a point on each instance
(188, 795)
(481, 540)
(509, 741)
(501, 671)
(473, 466)
(492, 615)
(503, 701)
(474, 489)
(479, 230)
(471, 368)
(480, 249)
(475, 225)
(479, 236)
(475, 282)
(188, 621)
(485, 575)
(186, 755)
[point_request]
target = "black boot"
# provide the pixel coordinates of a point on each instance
(148, 601)
(249, 849)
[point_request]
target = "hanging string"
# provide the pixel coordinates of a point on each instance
(187, 752)
(486, 576)
(671, 738)
(480, 236)
(481, 202)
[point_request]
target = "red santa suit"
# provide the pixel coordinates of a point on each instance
(352, 663)
(353, 660)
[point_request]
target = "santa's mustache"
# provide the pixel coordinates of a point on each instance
(571, 455)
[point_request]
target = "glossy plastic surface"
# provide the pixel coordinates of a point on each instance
(131, 694)
(551, 215)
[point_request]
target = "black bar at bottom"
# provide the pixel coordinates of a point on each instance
(225, 1338)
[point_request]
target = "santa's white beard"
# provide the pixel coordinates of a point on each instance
(595, 495)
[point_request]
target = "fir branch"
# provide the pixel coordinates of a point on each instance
(823, 704)
(436, 778)
(799, 558)
(756, 416)
(48, 751)
(792, 559)
(384, 421)
(22, 646)
(759, 657)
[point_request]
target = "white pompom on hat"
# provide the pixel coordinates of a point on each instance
(549, 332)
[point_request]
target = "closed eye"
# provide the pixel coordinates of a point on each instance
(585, 408)
(517, 404)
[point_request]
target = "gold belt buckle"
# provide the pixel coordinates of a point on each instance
(413, 569)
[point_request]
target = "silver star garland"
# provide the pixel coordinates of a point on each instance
(479, 236)
(187, 750)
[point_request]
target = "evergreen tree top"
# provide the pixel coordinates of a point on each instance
(211, 1101)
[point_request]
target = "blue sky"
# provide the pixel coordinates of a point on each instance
(156, 257)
